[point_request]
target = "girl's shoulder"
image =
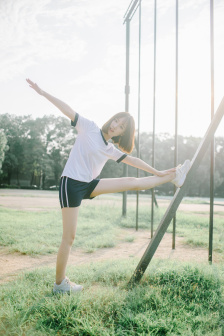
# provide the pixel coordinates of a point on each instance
(83, 124)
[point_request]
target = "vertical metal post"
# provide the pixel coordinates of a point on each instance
(176, 123)
(168, 216)
(154, 108)
(139, 107)
(127, 92)
(213, 140)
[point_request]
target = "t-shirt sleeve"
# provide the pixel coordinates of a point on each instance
(82, 124)
(117, 155)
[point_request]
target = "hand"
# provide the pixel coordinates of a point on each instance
(166, 172)
(34, 86)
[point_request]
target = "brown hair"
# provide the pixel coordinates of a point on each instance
(126, 141)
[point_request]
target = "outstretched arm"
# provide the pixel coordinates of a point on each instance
(63, 107)
(138, 163)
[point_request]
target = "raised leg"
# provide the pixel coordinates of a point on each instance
(130, 183)
(70, 218)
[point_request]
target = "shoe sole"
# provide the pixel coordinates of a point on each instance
(188, 164)
(55, 291)
(66, 292)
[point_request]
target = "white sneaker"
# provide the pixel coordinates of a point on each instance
(66, 286)
(181, 174)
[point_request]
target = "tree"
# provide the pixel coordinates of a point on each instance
(3, 147)
(14, 156)
(59, 141)
(37, 149)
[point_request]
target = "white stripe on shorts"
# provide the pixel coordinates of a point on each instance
(62, 193)
(66, 192)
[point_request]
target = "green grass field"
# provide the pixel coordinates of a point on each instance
(173, 298)
(95, 231)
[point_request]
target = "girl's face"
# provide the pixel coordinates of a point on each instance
(117, 127)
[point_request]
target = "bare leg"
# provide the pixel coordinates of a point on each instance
(70, 217)
(130, 183)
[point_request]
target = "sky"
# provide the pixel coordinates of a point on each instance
(75, 50)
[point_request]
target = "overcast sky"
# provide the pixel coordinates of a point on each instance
(75, 50)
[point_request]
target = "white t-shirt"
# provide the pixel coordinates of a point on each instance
(90, 152)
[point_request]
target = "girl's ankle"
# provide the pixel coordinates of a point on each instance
(58, 282)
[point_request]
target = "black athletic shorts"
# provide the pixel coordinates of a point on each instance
(72, 192)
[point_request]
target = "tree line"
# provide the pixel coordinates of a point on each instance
(33, 152)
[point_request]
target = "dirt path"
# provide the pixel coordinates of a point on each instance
(11, 265)
(38, 200)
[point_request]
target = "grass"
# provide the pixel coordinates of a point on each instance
(98, 227)
(30, 233)
(129, 239)
(173, 299)
(195, 228)
(44, 230)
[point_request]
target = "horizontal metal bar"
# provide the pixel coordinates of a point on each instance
(134, 11)
(128, 8)
(128, 13)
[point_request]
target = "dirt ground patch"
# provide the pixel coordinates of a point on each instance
(38, 200)
(13, 264)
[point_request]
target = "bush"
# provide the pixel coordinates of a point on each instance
(7, 186)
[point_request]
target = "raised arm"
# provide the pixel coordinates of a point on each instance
(138, 163)
(63, 107)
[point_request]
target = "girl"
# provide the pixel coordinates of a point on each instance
(86, 160)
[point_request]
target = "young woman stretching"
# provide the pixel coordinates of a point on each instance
(86, 160)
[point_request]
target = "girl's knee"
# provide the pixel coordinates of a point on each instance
(68, 240)
(134, 183)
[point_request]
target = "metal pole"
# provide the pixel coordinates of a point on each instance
(131, 10)
(154, 108)
(168, 216)
(176, 124)
(127, 92)
(213, 140)
(139, 108)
